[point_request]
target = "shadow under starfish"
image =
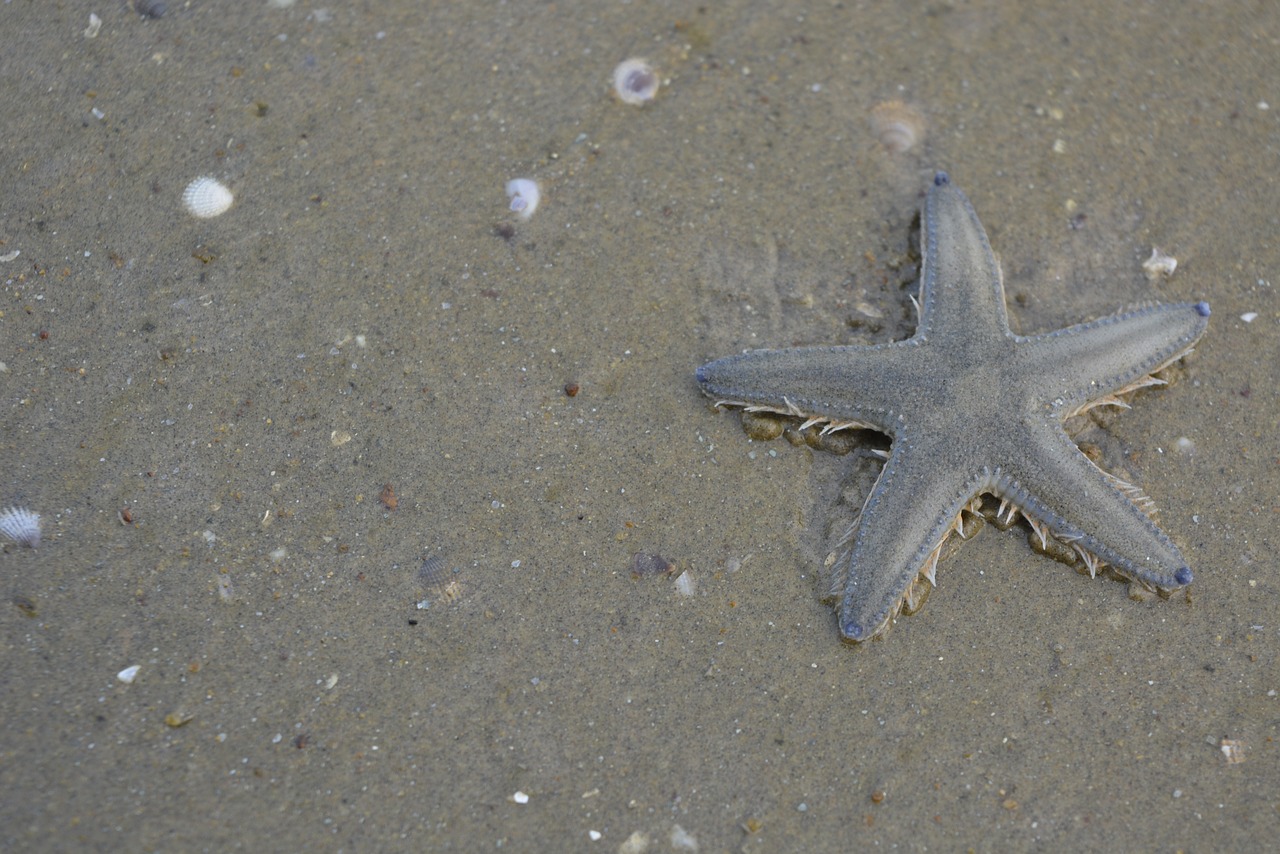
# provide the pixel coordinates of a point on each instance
(973, 409)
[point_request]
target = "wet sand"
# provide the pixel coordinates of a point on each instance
(208, 415)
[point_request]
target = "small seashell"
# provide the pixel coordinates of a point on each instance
(899, 127)
(206, 197)
(1232, 750)
(1159, 264)
(525, 195)
(21, 526)
(646, 564)
(635, 82)
(452, 592)
(682, 840)
(685, 585)
(129, 674)
(434, 573)
(438, 582)
(388, 496)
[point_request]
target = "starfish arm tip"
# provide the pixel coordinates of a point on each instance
(1202, 308)
(1183, 576)
(853, 632)
(941, 179)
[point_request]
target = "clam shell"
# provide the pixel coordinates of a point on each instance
(21, 526)
(438, 583)
(206, 198)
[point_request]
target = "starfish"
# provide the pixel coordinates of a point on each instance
(972, 409)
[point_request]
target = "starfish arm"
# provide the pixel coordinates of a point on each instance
(961, 288)
(855, 385)
(1057, 485)
(910, 511)
(1091, 360)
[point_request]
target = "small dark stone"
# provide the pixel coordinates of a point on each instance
(150, 8)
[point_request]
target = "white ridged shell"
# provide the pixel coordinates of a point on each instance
(206, 197)
(21, 526)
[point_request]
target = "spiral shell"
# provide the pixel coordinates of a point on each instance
(899, 127)
(525, 195)
(206, 197)
(635, 82)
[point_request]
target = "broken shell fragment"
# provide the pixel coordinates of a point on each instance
(645, 564)
(1159, 264)
(685, 585)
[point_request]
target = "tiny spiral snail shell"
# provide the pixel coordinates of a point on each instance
(525, 195)
(899, 127)
(635, 82)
